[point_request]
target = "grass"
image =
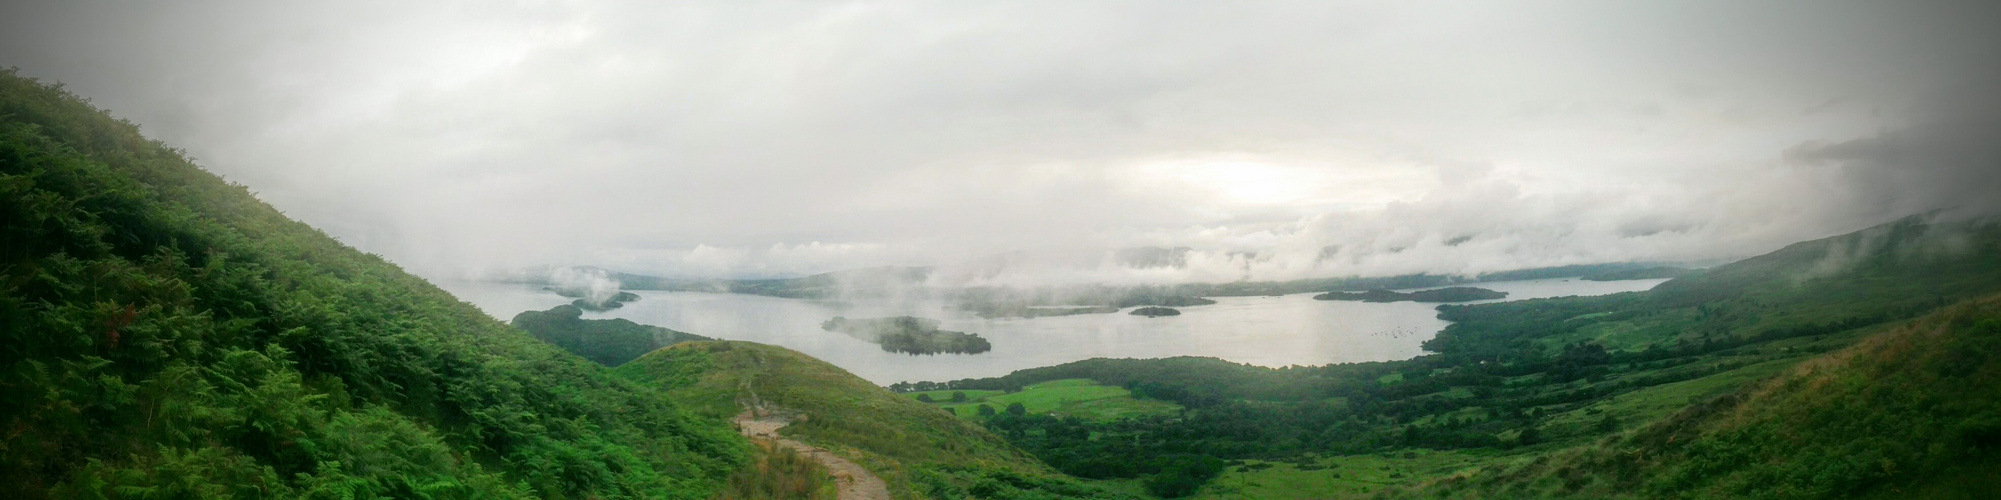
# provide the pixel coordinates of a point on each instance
(778, 472)
(1353, 476)
(1081, 398)
(1622, 334)
(1652, 403)
(919, 450)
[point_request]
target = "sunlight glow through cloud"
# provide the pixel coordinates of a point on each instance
(1274, 140)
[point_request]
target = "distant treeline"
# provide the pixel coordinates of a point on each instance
(1649, 273)
(1453, 294)
(904, 280)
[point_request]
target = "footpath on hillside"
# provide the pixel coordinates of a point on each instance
(856, 483)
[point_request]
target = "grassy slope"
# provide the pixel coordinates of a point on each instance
(1909, 412)
(1081, 398)
(165, 334)
(1350, 476)
(919, 450)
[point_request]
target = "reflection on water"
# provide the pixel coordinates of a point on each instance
(1267, 331)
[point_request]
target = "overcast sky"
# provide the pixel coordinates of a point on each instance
(1277, 140)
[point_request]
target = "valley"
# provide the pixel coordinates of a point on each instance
(168, 335)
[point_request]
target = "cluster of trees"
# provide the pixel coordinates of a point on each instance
(957, 397)
(1125, 449)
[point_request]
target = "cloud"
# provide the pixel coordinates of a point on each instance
(593, 285)
(1277, 140)
(1949, 163)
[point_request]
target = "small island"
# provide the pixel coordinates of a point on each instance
(590, 301)
(609, 342)
(909, 335)
(1453, 294)
(1155, 312)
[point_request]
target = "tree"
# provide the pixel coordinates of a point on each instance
(986, 411)
(924, 398)
(1529, 436)
(1016, 409)
(958, 396)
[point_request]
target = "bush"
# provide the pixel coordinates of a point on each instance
(1182, 475)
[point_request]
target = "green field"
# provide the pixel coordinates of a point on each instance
(1080, 398)
(1341, 477)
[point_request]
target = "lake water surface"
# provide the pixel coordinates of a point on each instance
(1267, 331)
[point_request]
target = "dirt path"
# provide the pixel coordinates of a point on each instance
(856, 483)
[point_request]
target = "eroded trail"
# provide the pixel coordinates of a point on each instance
(856, 483)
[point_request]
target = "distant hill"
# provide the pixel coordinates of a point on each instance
(999, 302)
(1448, 294)
(1641, 274)
(854, 282)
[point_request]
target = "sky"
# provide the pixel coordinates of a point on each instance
(1030, 142)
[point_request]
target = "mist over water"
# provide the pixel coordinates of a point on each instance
(1267, 331)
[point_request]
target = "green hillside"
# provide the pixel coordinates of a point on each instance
(1912, 413)
(920, 450)
(163, 334)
